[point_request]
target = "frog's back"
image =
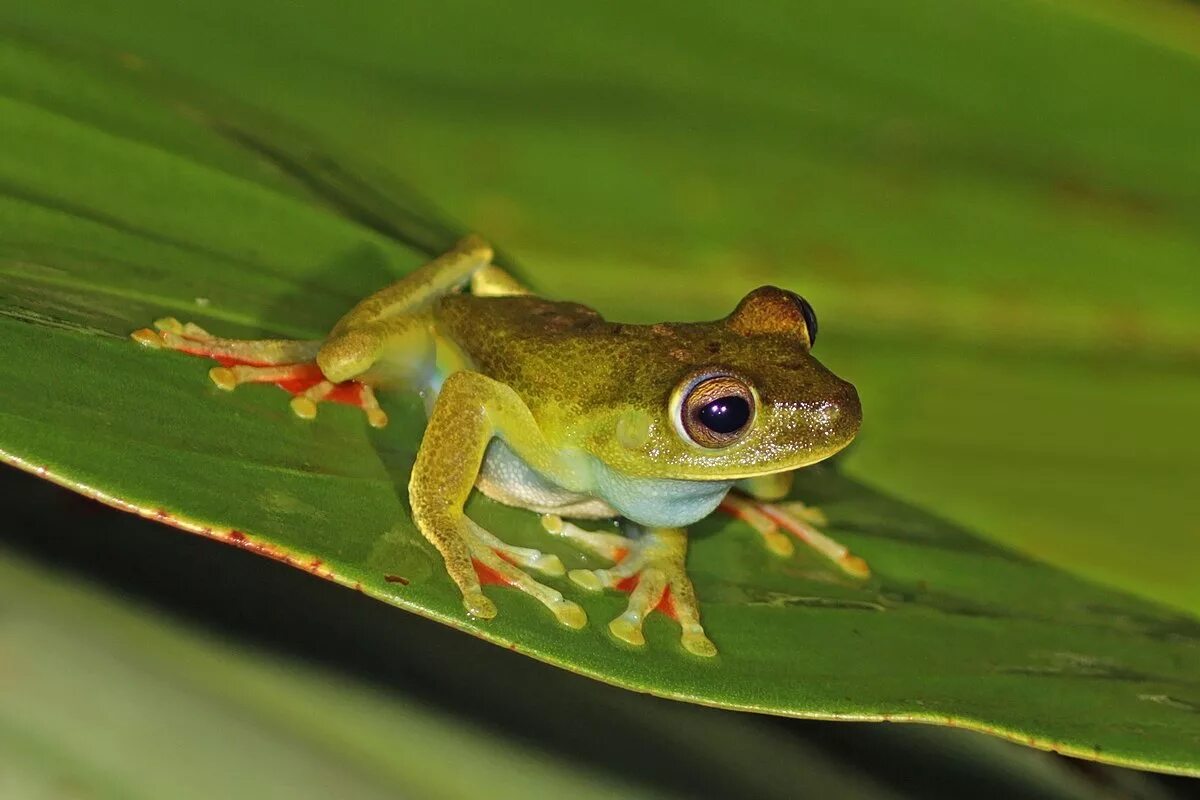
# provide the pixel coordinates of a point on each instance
(501, 335)
(497, 321)
(539, 346)
(566, 357)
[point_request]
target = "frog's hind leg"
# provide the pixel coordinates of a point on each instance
(287, 363)
(775, 520)
(393, 322)
(190, 338)
(383, 339)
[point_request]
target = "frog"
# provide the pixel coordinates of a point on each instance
(547, 406)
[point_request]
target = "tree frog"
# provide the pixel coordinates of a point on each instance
(547, 406)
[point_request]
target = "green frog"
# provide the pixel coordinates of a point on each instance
(547, 406)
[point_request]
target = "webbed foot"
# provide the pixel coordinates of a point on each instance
(651, 568)
(499, 563)
(774, 521)
(289, 364)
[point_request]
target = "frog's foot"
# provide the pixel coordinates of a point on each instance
(286, 363)
(771, 520)
(651, 568)
(304, 404)
(499, 563)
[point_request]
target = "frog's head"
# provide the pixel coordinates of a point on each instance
(732, 399)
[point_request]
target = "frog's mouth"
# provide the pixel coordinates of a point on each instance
(807, 460)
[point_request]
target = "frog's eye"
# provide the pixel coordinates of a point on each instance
(810, 317)
(717, 411)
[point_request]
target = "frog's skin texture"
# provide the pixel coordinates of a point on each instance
(546, 406)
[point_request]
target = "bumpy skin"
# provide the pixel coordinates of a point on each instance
(547, 406)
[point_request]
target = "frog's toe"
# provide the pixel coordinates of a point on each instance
(376, 417)
(853, 565)
(478, 605)
(223, 378)
(570, 614)
(532, 558)
(750, 511)
(169, 325)
(305, 404)
(773, 521)
(646, 596)
(303, 407)
(778, 543)
(497, 570)
(187, 330)
(810, 514)
(628, 630)
(800, 520)
(498, 562)
(651, 568)
(626, 569)
(549, 564)
(612, 546)
(669, 591)
(697, 643)
(147, 338)
(587, 579)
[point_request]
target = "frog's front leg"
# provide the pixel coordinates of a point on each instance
(651, 568)
(470, 411)
(753, 502)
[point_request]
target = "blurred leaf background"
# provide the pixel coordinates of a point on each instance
(994, 207)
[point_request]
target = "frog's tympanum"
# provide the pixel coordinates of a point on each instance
(547, 406)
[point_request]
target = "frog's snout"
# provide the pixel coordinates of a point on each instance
(839, 416)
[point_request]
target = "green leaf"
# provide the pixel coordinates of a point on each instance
(107, 225)
(397, 705)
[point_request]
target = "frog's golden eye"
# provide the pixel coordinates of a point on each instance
(717, 411)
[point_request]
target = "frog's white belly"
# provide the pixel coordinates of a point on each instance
(507, 479)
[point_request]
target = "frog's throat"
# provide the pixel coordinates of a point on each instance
(659, 502)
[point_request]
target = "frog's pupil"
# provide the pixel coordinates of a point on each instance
(725, 414)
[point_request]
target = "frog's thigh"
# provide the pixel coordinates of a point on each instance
(418, 289)
(470, 410)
